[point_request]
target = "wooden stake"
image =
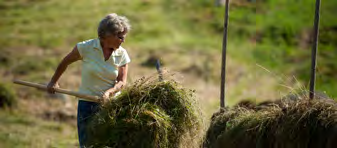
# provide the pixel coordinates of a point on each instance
(314, 51)
(223, 64)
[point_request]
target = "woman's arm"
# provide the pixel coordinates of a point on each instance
(121, 82)
(73, 56)
(122, 76)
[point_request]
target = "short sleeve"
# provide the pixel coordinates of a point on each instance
(121, 57)
(84, 47)
(80, 48)
(125, 58)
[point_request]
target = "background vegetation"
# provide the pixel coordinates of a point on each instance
(268, 53)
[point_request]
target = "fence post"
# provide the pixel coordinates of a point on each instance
(223, 63)
(314, 51)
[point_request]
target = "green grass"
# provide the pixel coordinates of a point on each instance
(165, 26)
(64, 23)
(266, 34)
(19, 130)
(280, 25)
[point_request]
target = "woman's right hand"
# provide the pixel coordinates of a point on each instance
(73, 56)
(51, 87)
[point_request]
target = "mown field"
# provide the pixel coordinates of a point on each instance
(268, 53)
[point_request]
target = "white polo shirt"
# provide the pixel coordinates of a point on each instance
(99, 75)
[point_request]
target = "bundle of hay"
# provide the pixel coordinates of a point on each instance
(147, 114)
(284, 123)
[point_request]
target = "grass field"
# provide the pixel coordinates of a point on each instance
(268, 52)
(19, 130)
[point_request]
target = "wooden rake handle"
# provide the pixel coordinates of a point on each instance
(59, 90)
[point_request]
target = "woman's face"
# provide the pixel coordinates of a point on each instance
(114, 41)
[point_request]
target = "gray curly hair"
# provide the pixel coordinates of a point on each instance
(112, 24)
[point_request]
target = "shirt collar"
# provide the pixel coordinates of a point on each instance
(97, 44)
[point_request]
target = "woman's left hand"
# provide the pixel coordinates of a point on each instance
(107, 94)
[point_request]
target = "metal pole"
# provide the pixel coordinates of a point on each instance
(314, 51)
(223, 64)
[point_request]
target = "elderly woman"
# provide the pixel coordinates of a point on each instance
(104, 67)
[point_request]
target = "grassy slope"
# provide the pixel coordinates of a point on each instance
(282, 32)
(284, 28)
(48, 29)
(19, 130)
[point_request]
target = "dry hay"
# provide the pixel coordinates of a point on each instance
(148, 114)
(286, 123)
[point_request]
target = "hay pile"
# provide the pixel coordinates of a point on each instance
(147, 114)
(286, 123)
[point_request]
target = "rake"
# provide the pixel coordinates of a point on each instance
(79, 96)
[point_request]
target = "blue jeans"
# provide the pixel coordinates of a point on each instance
(85, 110)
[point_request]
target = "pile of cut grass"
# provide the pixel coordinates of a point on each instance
(148, 114)
(285, 123)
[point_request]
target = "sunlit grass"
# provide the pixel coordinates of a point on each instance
(19, 130)
(47, 29)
